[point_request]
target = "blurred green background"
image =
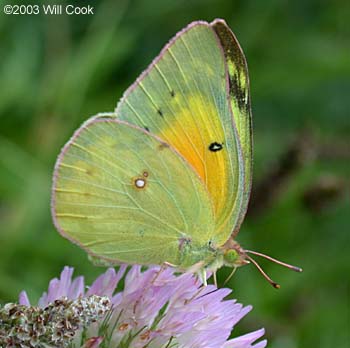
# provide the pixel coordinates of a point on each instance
(56, 71)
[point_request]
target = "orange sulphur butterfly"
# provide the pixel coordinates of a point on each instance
(166, 178)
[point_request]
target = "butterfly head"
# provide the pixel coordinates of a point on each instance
(234, 255)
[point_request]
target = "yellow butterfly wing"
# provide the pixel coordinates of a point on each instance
(124, 195)
(239, 92)
(184, 98)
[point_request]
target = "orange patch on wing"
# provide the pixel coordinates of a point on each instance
(191, 134)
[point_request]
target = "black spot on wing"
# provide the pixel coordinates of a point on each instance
(146, 128)
(231, 47)
(163, 146)
(214, 147)
(172, 93)
(160, 112)
(234, 56)
(237, 92)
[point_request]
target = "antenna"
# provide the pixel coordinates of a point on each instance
(274, 284)
(293, 268)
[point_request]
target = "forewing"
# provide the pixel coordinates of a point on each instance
(239, 93)
(183, 97)
(125, 196)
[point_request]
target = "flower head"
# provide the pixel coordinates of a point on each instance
(156, 309)
(55, 325)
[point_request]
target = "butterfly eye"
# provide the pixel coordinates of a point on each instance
(230, 256)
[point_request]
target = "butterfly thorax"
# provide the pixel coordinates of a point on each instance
(209, 258)
(192, 254)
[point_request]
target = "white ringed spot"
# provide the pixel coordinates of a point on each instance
(140, 183)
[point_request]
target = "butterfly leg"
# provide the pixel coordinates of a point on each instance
(195, 295)
(215, 280)
(161, 269)
(230, 276)
(202, 275)
(169, 264)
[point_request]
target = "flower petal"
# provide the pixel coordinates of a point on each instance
(106, 283)
(93, 342)
(23, 299)
(247, 341)
(77, 288)
(57, 287)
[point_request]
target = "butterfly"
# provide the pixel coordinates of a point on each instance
(166, 177)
